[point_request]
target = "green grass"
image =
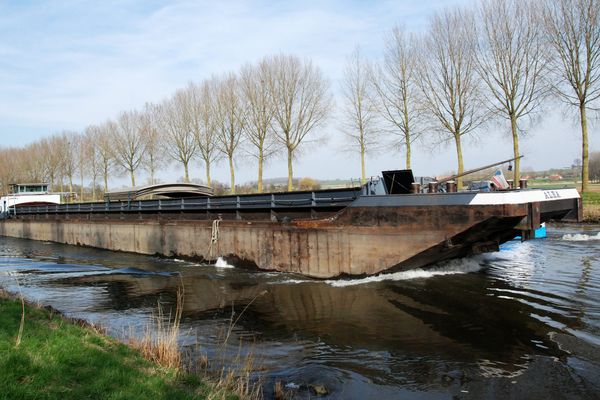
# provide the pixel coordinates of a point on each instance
(591, 198)
(58, 359)
(547, 183)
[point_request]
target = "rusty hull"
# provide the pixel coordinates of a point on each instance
(362, 239)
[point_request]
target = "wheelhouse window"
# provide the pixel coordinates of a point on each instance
(29, 188)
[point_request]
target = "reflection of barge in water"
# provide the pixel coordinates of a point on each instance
(356, 231)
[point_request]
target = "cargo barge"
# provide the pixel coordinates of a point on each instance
(389, 224)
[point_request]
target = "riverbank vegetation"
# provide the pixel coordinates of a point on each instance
(58, 358)
(591, 204)
(500, 61)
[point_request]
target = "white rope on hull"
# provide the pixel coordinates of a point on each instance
(214, 239)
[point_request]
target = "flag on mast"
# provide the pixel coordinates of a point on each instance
(499, 180)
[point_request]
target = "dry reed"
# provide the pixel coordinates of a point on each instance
(236, 375)
(236, 378)
(159, 342)
(280, 392)
(232, 323)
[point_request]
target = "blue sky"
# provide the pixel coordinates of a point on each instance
(67, 64)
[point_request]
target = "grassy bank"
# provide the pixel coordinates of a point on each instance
(56, 358)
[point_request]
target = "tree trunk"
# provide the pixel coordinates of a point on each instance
(232, 173)
(407, 139)
(585, 173)
(186, 174)
(132, 178)
(105, 179)
(260, 170)
(515, 137)
(363, 178)
(290, 170)
(459, 157)
(81, 188)
(208, 181)
(152, 169)
(94, 188)
(407, 129)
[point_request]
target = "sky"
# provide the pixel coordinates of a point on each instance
(68, 64)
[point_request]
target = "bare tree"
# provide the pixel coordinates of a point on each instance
(175, 121)
(302, 102)
(203, 123)
(573, 29)
(154, 154)
(31, 163)
(359, 112)
(22, 164)
(83, 156)
(22, 173)
(68, 146)
(258, 127)
(94, 162)
(129, 144)
(11, 171)
(512, 61)
(400, 102)
(448, 79)
(6, 171)
(51, 157)
(60, 146)
(105, 149)
(230, 116)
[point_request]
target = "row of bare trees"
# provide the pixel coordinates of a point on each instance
(501, 59)
(62, 159)
(269, 107)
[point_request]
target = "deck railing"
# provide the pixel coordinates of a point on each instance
(324, 199)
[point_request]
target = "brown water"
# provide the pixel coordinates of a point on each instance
(521, 323)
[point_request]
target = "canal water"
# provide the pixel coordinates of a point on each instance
(523, 323)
